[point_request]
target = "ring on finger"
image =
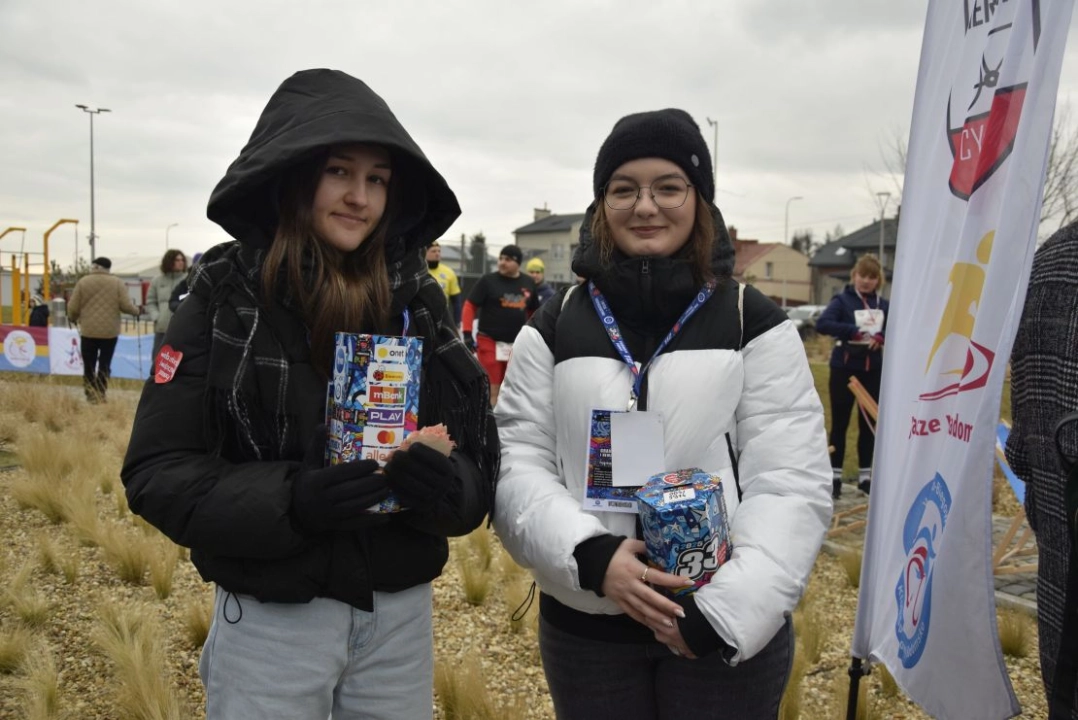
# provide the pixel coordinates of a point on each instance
(644, 577)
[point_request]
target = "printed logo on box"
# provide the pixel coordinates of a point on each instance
(385, 416)
(385, 352)
(386, 395)
(389, 374)
(384, 437)
(373, 452)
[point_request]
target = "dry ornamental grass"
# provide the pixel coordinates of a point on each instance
(88, 632)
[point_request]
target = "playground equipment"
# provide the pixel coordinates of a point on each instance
(20, 296)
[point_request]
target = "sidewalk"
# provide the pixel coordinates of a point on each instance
(1016, 591)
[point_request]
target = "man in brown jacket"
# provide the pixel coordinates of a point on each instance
(95, 306)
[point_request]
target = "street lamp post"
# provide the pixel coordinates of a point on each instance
(93, 228)
(882, 201)
(172, 225)
(786, 235)
(714, 150)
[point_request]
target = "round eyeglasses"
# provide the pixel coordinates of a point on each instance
(667, 193)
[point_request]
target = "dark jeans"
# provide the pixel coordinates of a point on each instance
(595, 680)
(842, 403)
(96, 366)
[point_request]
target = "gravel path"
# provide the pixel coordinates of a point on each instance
(468, 637)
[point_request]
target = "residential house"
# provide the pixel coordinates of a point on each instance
(553, 238)
(831, 264)
(775, 269)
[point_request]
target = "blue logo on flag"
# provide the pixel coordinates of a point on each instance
(922, 536)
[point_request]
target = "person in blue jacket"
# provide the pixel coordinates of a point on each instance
(857, 318)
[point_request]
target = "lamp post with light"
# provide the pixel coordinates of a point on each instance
(172, 225)
(93, 228)
(882, 198)
(786, 235)
(714, 150)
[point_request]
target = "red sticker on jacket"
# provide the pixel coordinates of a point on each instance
(167, 362)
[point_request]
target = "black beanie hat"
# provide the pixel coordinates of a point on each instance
(103, 262)
(512, 251)
(670, 134)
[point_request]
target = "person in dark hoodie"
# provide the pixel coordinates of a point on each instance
(724, 376)
(322, 608)
(857, 318)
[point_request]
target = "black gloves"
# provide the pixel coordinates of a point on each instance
(419, 476)
(469, 341)
(336, 497)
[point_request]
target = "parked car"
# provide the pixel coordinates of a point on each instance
(804, 319)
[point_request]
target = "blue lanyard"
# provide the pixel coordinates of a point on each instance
(611, 326)
(407, 321)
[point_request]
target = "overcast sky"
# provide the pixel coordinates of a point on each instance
(510, 104)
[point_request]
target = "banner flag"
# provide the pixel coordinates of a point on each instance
(979, 141)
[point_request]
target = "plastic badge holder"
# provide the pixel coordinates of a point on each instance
(683, 515)
(374, 399)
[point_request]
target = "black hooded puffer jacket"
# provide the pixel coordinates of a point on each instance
(231, 508)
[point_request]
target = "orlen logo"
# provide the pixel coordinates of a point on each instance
(386, 395)
(922, 538)
(961, 363)
(984, 108)
(390, 353)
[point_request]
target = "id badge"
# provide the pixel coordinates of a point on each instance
(869, 321)
(502, 351)
(610, 481)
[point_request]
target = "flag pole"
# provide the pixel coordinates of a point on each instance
(856, 671)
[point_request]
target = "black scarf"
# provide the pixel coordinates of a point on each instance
(252, 346)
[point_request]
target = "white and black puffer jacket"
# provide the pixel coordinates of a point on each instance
(716, 381)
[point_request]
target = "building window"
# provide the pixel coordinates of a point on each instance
(557, 251)
(769, 270)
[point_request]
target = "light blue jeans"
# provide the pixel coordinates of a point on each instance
(323, 659)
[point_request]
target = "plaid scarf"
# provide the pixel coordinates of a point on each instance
(252, 348)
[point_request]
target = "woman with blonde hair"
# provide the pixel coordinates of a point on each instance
(857, 319)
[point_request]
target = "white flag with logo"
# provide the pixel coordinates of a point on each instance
(978, 148)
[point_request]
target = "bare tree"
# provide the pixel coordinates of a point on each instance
(1060, 204)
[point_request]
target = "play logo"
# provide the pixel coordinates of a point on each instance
(384, 416)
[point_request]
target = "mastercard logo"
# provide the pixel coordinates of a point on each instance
(387, 437)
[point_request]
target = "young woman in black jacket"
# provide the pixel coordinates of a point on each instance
(321, 607)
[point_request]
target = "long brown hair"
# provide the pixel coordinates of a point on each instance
(335, 292)
(697, 250)
(168, 262)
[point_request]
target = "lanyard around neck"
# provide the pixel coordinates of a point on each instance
(602, 308)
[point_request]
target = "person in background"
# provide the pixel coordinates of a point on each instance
(727, 373)
(543, 291)
(322, 608)
(857, 319)
(173, 271)
(1044, 389)
(181, 290)
(447, 279)
(501, 302)
(39, 312)
(96, 304)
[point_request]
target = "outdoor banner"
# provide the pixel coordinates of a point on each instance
(57, 351)
(24, 349)
(982, 120)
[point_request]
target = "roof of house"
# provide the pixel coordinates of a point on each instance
(551, 223)
(746, 252)
(136, 265)
(843, 252)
